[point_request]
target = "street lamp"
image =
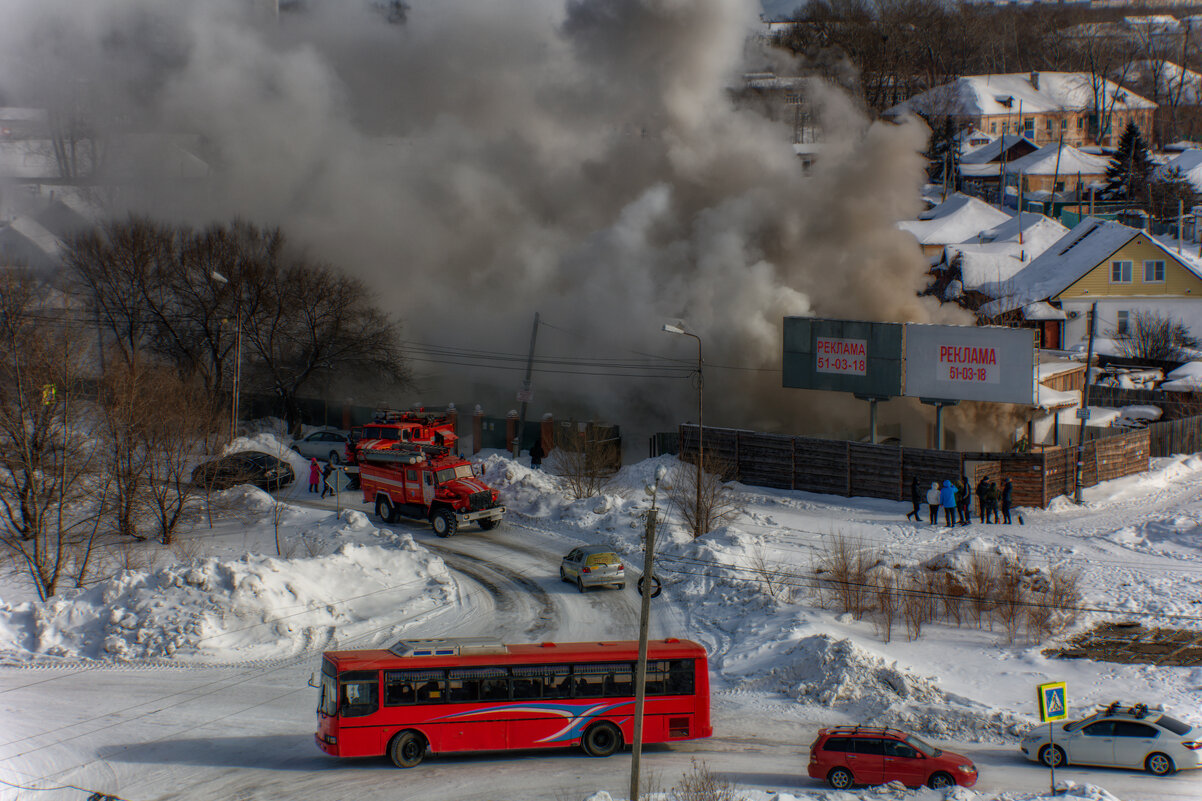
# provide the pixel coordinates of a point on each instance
(676, 329)
(234, 400)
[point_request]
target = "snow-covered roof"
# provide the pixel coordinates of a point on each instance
(1069, 258)
(993, 150)
(1056, 159)
(991, 95)
(1042, 310)
(973, 139)
(957, 219)
(1187, 377)
(1189, 164)
(36, 234)
(989, 260)
(1169, 78)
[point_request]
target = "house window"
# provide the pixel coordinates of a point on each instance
(993, 127)
(1153, 272)
(1050, 123)
(1123, 326)
(1120, 272)
(1080, 123)
(1029, 126)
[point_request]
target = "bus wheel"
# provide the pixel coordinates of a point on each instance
(384, 508)
(407, 749)
(601, 740)
(444, 523)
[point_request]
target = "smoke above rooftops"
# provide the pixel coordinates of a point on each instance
(487, 160)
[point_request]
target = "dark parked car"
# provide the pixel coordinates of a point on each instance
(246, 467)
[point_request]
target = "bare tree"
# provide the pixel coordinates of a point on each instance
(44, 455)
(586, 457)
(716, 504)
(1152, 336)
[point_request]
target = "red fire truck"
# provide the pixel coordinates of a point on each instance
(414, 425)
(426, 482)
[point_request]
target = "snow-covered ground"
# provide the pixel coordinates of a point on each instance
(187, 678)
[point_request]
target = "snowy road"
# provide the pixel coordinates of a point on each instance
(244, 732)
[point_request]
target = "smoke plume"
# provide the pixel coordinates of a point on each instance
(487, 160)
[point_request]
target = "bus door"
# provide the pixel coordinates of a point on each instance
(477, 719)
(358, 704)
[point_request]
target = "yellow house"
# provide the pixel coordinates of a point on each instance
(1124, 270)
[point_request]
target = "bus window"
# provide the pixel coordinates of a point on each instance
(588, 681)
(620, 682)
(477, 684)
(541, 681)
(680, 677)
(657, 678)
(402, 687)
(359, 694)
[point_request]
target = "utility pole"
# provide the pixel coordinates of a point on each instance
(524, 396)
(640, 673)
(1083, 412)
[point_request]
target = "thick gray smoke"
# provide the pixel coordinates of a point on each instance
(487, 160)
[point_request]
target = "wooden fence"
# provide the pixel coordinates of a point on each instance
(840, 467)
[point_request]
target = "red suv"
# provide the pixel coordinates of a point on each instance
(847, 755)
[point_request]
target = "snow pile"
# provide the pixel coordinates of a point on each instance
(837, 675)
(234, 610)
(273, 443)
(1186, 378)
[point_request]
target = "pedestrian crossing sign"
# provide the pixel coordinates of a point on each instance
(1053, 701)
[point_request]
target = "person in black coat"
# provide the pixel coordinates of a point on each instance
(982, 491)
(915, 499)
(326, 486)
(536, 454)
(1007, 491)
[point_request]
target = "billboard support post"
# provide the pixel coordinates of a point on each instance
(938, 403)
(872, 401)
(1083, 413)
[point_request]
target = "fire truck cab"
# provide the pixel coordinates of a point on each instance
(419, 481)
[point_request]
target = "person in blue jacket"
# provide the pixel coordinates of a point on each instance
(947, 499)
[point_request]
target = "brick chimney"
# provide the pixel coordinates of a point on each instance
(1035, 81)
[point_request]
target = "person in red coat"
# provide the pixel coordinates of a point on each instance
(314, 475)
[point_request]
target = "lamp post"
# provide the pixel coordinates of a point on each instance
(676, 329)
(234, 398)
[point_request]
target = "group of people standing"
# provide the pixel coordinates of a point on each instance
(955, 499)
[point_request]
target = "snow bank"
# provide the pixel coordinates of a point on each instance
(1186, 378)
(235, 610)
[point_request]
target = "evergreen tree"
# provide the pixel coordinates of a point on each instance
(943, 153)
(1128, 174)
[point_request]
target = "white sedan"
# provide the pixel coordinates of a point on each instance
(1119, 736)
(327, 445)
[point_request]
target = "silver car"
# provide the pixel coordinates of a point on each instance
(593, 566)
(328, 445)
(1135, 736)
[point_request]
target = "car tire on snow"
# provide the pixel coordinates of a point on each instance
(840, 778)
(1052, 756)
(1159, 764)
(939, 780)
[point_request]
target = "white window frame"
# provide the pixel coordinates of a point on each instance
(1122, 322)
(1125, 268)
(1151, 263)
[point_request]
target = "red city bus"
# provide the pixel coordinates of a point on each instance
(477, 694)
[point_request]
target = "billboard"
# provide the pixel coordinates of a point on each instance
(843, 356)
(956, 362)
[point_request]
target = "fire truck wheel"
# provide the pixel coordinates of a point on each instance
(384, 509)
(444, 523)
(601, 740)
(407, 749)
(488, 523)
